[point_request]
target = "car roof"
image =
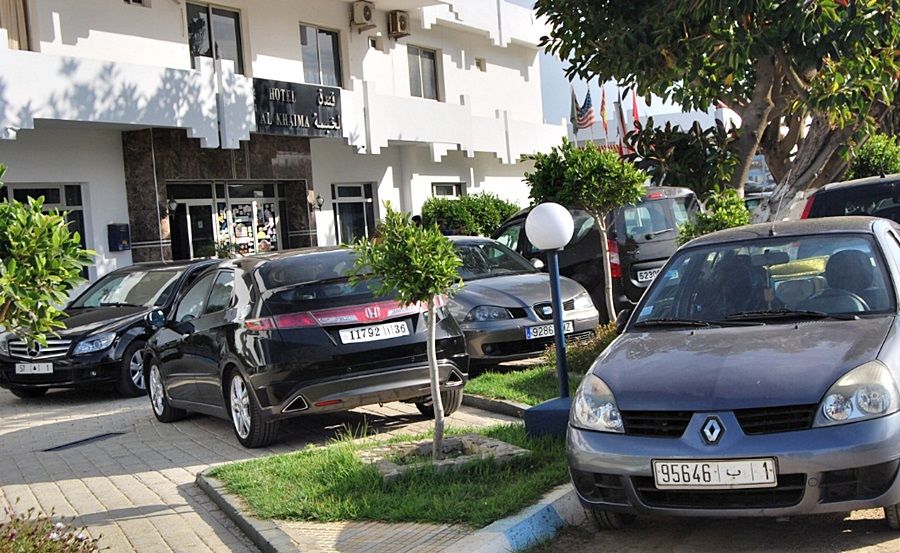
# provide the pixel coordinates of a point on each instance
(863, 182)
(162, 265)
(669, 191)
(823, 225)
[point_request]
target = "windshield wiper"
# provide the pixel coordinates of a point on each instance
(670, 322)
(118, 304)
(788, 314)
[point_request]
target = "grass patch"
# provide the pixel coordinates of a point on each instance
(537, 384)
(330, 484)
(529, 386)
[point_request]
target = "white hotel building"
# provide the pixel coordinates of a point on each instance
(268, 124)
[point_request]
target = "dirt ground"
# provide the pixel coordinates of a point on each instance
(861, 531)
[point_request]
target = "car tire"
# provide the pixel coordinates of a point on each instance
(892, 516)
(451, 399)
(246, 416)
(158, 400)
(611, 520)
(132, 378)
(28, 393)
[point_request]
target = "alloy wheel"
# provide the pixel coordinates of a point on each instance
(240, 406)
(157, 393)
(136, 370)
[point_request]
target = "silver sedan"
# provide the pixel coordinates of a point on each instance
(505, 308)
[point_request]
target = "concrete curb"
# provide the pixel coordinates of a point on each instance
(502, 406)
(533, 525)
(265, 534)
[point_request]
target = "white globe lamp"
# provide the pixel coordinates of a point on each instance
(549, 226)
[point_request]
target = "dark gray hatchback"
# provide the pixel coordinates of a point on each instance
(757, 377)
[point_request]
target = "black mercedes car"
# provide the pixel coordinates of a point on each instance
(264, 338)
(104, 335)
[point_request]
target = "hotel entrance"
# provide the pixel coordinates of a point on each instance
(217, 218)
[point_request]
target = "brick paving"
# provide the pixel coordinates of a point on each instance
(136, 489)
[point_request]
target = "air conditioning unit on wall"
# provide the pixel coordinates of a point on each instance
(398, 24)
(363, 16)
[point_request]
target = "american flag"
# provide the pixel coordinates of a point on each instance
(585, 113)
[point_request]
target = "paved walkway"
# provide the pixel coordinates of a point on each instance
(135, 484)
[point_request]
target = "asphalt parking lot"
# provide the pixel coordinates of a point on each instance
(107, 461)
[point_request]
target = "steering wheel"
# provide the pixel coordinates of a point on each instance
(836, 300)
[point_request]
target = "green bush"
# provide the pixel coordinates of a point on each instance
(581, 354)
(880, 155)
(33, 532)
(479, 214)
(724, 209)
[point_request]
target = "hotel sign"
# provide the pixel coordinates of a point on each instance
(296, 109)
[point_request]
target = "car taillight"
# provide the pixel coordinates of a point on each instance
(655, 195)
(808, 207)
(355, 314)
(282, 322)
(615, 266)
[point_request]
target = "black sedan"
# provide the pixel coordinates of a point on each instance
(104, 335)
(261, 339)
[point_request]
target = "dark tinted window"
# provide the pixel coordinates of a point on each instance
(877, 200)
(194, 300)
(220, 296)
(305, 268)
(143, 288)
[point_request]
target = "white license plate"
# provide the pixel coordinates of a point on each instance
(715, 475)
(648, 275)
(374, 332)
(544, 331)
(34, 368)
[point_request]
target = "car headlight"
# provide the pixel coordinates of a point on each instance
(95, 343)
(583, 301)
(4, 344)
(867, 392)
(595, 407)
(488, 313)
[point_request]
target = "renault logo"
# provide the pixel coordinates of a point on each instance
(712, 430)
(373, 312)
(34, 350)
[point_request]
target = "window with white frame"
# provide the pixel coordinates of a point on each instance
(215, 33)
(448, 189)
(354, 211)
(422, 72)
(320, 51)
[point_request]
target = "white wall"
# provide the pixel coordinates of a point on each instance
(87, 156)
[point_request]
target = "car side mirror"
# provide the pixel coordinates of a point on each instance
(622, 320)
(538, 264)
(184, 327)
(156, 319)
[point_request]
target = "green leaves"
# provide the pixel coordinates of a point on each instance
(880, 155)
(598, 181)
(479, 214)
(40, 263)
(724, 209)
(418, 262)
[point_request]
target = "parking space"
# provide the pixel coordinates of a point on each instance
(106, 461)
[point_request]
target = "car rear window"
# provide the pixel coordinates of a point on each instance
(653, 219)
(878, 200)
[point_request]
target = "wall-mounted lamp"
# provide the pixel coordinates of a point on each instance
(319, 202)
(168, 208)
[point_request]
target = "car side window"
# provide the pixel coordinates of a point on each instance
(194, 300)
(510, 236)
(220, 296)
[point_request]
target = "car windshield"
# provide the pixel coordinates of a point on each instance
(135, 288)
(489, 259)
(771, 278)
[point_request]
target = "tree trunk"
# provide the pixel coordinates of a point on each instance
(754, 120)
(607, 273)
(437, 448)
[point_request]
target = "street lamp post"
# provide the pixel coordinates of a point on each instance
(549, 227)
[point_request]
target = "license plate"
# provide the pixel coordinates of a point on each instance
(544, 331)
(715, 475)
(648, 275)
(374, 332)
(34, 368)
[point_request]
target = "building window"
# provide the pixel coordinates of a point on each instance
(145, 3)
(422, 72)
(215, 33)
(448, 189)
(354, 211)
(14, 18)
(321, 54)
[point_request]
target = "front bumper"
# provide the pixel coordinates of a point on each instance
(499, 341)
(821, 470)
(68, 372)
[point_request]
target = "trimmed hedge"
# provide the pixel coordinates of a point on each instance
(479, 214)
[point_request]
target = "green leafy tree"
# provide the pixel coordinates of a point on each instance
(806, 76)
(697, 158)
(880, 155)
(418, 264)
(40, 263)
(724, 209)
(478, 214)
(594, 180)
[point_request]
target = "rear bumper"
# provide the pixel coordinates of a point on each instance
(340, 394)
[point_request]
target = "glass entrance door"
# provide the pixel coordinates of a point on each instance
(200, 227)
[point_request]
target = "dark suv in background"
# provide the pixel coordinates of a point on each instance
(874, 196)
(641, 239)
